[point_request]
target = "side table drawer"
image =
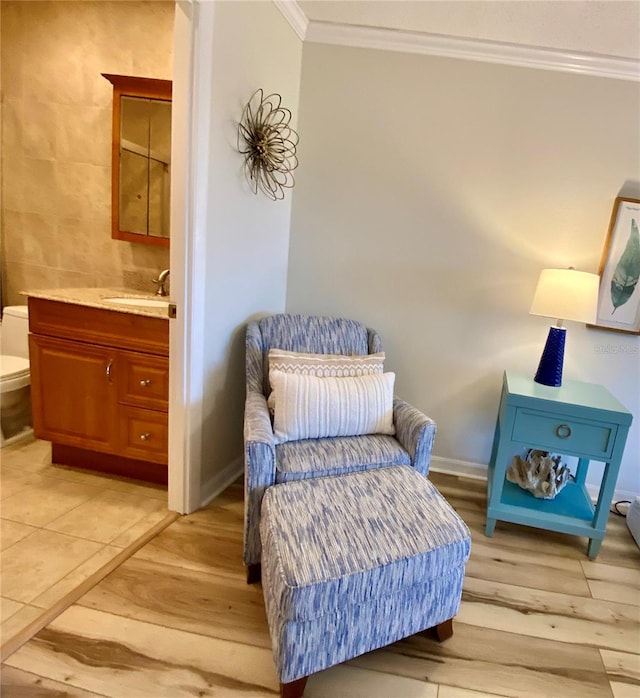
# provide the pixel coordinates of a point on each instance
(562, 434)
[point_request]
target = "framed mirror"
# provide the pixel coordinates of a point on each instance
(140, 159)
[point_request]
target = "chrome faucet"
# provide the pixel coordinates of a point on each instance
(161, 281)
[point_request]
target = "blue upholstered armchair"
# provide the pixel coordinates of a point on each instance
(268, 462)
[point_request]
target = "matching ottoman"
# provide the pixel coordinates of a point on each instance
(355, 562)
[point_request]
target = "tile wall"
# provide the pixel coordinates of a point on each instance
(56, 139)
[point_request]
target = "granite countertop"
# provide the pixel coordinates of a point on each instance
(95, 298)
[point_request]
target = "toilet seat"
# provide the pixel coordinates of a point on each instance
(14, 373)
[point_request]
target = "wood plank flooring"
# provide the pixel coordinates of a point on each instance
(538, 620)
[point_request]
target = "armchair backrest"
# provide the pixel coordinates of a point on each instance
(306, 333)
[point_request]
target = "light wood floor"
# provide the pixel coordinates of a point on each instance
(538, 620)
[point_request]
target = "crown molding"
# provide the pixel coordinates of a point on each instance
(294, 15)
(470, 49)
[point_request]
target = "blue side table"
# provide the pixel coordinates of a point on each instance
(576, 419)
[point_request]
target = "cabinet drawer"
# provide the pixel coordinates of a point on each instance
(562, 434)
(144, 434)
(143, 380)
(108, 328)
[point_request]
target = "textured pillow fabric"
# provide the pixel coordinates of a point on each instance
(322, 365)
(308, 407)
(325, 365)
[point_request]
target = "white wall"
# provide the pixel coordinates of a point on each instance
(242, 240)
(593, 26)
(430, 194)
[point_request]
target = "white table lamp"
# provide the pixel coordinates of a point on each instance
(564, 294)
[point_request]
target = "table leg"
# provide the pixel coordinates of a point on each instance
(494, 445)
(581, 471)
(604, 498)
(593, 547)
(490, 527)
(501, 455)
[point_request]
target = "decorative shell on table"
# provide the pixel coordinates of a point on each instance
(268, 144)
(540, 472)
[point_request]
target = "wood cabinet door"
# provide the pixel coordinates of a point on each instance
(74, 393)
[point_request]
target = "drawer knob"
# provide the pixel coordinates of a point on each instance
(145, 437)
(563, 431)
(145, 382)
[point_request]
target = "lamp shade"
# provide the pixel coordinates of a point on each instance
(566, 294)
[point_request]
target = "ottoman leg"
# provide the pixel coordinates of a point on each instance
(254, 573)
(444, 630)
(294, 689)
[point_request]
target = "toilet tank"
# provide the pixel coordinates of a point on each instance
(15, 331)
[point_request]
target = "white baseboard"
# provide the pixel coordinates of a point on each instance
(449, 466)
(462, 468)
(618, 495)
(25, 435)
(478, 471)
(220, 481)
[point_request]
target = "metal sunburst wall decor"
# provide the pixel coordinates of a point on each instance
(268, 144)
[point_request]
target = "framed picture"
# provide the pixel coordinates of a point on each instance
(619, 295)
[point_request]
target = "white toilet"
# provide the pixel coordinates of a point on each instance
(15, 390)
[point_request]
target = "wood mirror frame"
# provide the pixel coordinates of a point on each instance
(135, 87)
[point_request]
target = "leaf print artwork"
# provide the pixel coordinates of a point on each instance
(618, 307)
(627, 272)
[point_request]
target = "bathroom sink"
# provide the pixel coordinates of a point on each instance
(139, 302)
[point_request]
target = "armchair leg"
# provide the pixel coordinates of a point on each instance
(254, 573)
(443, 631)
(294, 689)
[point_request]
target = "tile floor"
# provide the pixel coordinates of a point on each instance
(59, 526)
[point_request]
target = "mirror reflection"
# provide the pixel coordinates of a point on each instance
(141, 159)
(145, 159)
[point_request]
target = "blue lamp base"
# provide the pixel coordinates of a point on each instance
(550, 367)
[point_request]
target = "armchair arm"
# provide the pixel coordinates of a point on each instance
(415, 432)
(260, 469)
(257, 422)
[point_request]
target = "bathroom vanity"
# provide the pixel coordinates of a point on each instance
(100, 381)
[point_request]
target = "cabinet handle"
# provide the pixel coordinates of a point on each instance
(145, 382)
(563, 431)
(108, 370)
(145, 437)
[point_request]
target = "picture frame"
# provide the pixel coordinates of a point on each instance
(619, 271)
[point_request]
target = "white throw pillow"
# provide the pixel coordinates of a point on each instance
(308, 407)
(322, 365)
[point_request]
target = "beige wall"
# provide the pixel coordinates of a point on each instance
(242, 238)
(56, 139)
(431, 192)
